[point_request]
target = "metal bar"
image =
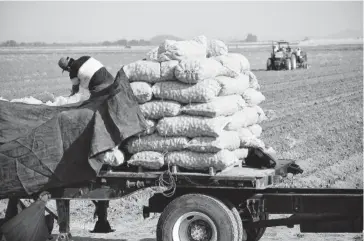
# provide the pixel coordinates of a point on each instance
(297, 219)
(319, 191)
(280, 203)
(156, 175)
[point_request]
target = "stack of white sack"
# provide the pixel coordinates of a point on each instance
(202, 106)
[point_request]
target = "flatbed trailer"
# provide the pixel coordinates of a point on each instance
(232, 205)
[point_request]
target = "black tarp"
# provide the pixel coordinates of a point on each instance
(45, 146)
(29, 225)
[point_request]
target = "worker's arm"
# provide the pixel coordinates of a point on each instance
(75, 85)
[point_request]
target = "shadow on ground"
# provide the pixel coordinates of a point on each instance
(77, 238)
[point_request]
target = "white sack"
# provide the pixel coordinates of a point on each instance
(231, 86)
(113, 157)
(167, 70)
(241, 153)
(143, 70)
(148, 159)
(234, 61)
(261, 115)
(216, 48)
(151, 128)
(157, 109)
(226, 140)
(247, 139)
(202, 161)
(191, 126)
(201, 39)
(201, 92)
(246, 117)
(220, 106)
(142, 91)
(158, 143)
(253, 97)
(153, 54)
(253, 81)
(191, 71)
(255, 129)
(178, 50)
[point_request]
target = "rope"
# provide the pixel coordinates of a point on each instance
(169, 184)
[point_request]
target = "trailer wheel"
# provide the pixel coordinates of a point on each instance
(197, 217)
(256, 234)
(241, 232)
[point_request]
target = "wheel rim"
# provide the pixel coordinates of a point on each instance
(194, 226)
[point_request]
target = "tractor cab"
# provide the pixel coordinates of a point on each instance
(280, 49)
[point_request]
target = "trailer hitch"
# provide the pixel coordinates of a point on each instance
(255, 206)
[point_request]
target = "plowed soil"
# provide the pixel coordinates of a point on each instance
(315, 118)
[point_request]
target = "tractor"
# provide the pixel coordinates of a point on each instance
(284, 57)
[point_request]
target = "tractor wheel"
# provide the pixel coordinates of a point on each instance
(288, 64)
(269, 64)
(294, 61)
(197, 217)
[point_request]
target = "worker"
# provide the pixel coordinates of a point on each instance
(114, 100)
(116, 117)
(298, 51)
(275, 49)
(86, 72)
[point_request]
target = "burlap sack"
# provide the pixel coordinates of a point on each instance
(201, 92)
(158, 109)
(226, 140)
(147, 159)
(202, 161)
(192, 126)
(157, 143)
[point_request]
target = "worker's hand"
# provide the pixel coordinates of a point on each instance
(75, 89)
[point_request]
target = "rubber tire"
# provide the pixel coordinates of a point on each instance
(216, 210)
(293, 61)
(241, 231)
(260, 232)
(269, 64)
(288, 64)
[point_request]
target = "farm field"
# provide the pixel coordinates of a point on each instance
(315, 117)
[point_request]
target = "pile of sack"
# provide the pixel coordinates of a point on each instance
(201, 104)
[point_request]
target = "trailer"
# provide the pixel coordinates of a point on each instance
(232, 205)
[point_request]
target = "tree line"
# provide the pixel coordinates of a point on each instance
(121, 42)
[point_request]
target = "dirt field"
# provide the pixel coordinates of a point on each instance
(316, 118)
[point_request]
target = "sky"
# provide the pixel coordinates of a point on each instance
(83, 21)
